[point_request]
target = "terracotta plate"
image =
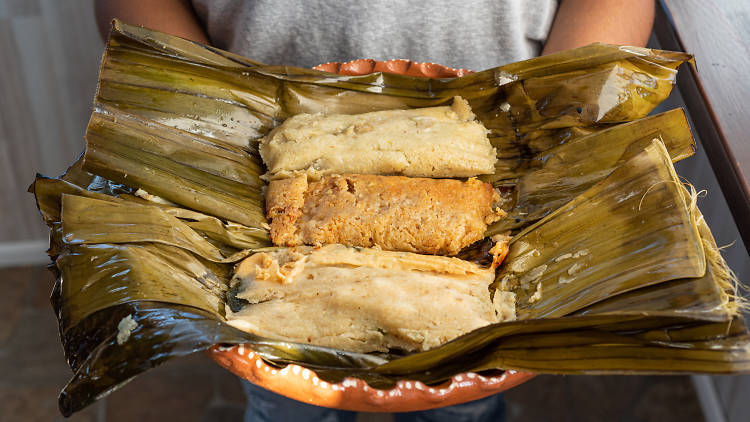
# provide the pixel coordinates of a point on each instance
(404, 67)
(302, 384)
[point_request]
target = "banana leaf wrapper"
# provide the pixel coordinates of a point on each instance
(201, 173)
(180, 120)
(558, 174)
(187, 287)
(554, 272)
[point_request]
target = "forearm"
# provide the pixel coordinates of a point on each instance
(582, 22)
(174, 17)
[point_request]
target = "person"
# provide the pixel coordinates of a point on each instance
(472, 34)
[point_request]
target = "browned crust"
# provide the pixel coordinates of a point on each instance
(284, 202)
(435, 216)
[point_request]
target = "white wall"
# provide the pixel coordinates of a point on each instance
(49, 60)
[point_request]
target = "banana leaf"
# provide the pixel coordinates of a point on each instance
(590, 353)
(560, 264)
(713, 296)
(162, 332)
(201, 173)
(141, 282)
(555, 176)
(597, 336)
(226, 236)
(92, 221)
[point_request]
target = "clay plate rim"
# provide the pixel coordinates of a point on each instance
(398, 66)
(302, 384)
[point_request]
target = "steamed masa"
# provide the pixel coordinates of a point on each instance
(359, 189)
(364, 300)
(444, 141)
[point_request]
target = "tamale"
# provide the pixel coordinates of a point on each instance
(424, 142)
(204, 98)
(364, 300)
(436, 216)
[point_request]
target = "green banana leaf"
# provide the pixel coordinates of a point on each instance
(232, 236)
(142, 281)
(597, 337)
(560, 264)
(195, 171)
(555, 176)
(713, 296)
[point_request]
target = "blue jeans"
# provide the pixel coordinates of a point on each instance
(264, 406)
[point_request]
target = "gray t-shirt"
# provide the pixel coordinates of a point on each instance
(470, 34)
